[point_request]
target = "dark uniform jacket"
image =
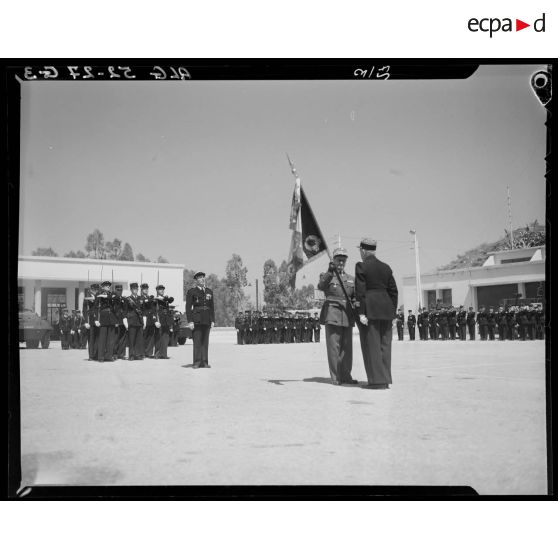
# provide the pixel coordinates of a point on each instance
(411, 320)
(118, 303)
(105, 306)
(462, 317)
(335, 310)
(491, 318)
(65, 324)
(133, 310)
(89, 310)
(482, 318)
(452, 317)
(471, 318)
(199, 306)
(400, 319)
(375, 289)
(148, 308)
(162, 310)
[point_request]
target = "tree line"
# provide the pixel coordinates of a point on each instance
(97, 248)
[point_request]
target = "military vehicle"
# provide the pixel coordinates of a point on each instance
(33, 330)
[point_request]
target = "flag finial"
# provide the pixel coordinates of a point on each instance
(293, 170)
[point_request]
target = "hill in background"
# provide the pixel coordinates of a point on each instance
(532, 234)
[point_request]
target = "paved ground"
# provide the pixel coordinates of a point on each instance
(462, 413)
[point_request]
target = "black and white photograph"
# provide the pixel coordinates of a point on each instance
(266, 280)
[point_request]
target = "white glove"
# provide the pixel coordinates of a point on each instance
(212, 324)
(190, 325)
(157, 325)
(97, 323)
(125, 322)
(363, 319)
(72, 332)
(87, 326)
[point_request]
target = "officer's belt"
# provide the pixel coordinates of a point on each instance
(202, 307)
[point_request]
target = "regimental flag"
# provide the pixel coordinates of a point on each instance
(307, 242)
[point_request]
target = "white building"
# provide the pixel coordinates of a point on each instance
(46, 284)
(504, 275)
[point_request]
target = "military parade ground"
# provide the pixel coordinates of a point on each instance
(458, 413)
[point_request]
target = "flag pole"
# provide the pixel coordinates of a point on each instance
(293, 170)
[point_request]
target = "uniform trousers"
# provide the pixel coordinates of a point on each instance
(375, 342)
(65, 340)
(201, 344)
(491, 331)
(400, 332)
(502, 333)
(105, 343)
(317, 335)
(452, 331)
(463, 332)
(483, 331)
(135, 342)
(411, 332)
(121, 340)
(339, 344)
(93, 342)
(162, 335)
(433, 331)
(149, 340)
(471, 332)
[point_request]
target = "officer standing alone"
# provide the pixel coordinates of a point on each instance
(200, 314)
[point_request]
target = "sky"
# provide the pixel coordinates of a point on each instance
(197, 171)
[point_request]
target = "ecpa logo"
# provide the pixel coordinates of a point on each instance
(493, 25)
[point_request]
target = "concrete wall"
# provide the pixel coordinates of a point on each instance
(463, 282)
(37, 273)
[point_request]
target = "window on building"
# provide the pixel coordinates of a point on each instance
(494, 295)
(20, 298)
(534, 289)
(446, 297)
(430, 298)
(515, 260)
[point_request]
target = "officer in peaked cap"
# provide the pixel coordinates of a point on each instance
(165, 322)
(338, 317)
(90, 317)
(134, 322)
(411, 325)
(200, 314)
(106, 320)
(376, 294)
(149, 323)
(121, 333)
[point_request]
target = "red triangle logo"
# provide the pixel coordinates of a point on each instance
(519, 25)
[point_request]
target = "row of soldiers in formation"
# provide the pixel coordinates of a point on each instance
(253, 328)
(109, 323)
(511, 322)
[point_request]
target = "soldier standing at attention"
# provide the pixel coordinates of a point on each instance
(148, 307)
(239, 326)
(532, 322)
(471, 323)
(338, 318)
(452, 322)
(90, 317)
(106, 322)
(317, 327)
(512, 323)
(482, 321)
(164, 323)
(424, 324)
(376, 294)
(411, 324)
(443, 323)
(134, 321)
(433, 324)
(121, 334)
(501, 323)
(400, 321)
(200, 314)
(420, 324)
(462, 323)
(491, 323)
(523, 320)
(65, 327)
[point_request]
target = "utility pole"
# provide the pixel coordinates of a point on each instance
(510, 218)
(257, 297)
(417, 269)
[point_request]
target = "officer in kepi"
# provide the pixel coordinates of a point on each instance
(200, 314)
(338, 317)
